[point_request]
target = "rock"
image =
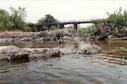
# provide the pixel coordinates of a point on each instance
(44, 52)
(122, 38)
(119, 35)
(102, 38)
(39, 39)
(13, 53)
(25, 39)
(90, 50)
(54, 52)
(9, 49)
(5, 40)
(49, 35)
(18, 56)
(102, 32)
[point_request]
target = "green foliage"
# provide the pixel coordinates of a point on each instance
(47, 21)
(100, 21)
(18, 18)
(14, 20)
(5, 20)
(85, 30)
(117, 20)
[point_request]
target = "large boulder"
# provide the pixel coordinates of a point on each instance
(44, 52)
(13, 53)
(90, 50)
(18, 56)
(102, 32)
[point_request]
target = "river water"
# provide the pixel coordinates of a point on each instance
(109, 67)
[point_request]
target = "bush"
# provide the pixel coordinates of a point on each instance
(47, 21)
(117, 19)
(14, 20)
(85, 30)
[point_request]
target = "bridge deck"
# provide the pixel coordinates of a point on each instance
(76, 22)
(64, 23)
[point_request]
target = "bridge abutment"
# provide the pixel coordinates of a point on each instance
(75, 27)
(61, 26)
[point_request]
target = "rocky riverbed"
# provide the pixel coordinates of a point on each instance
(13, 53)
(60, 57)
(60, 36)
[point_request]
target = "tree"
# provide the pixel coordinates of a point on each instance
(5, 22)
(47, 21)
(100, 21)
(18, 18)
(117, 19)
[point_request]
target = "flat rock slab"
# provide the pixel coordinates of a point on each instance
(45, 52)
(89, 50)
(13, 53)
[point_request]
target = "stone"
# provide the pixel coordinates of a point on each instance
(25, 39)
(18, 56)
(13, 53)
(9, 49)
(102, 32)
(44, 52)
(90, 50)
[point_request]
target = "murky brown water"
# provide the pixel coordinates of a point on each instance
(109, 67)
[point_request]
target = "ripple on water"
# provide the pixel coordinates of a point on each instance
(69, 69)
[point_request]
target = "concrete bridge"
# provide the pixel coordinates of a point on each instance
(61, 24)
(74, 23)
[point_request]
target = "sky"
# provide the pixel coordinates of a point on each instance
(65, 10)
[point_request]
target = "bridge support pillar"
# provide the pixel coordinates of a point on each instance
(75, 27)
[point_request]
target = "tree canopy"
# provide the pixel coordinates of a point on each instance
(13, 20)
(116, 19)
(5, 20)
(47, 21)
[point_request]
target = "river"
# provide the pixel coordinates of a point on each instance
(108, 67)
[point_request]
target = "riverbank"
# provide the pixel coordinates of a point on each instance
(60, 36)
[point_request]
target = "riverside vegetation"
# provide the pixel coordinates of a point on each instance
(15, 20)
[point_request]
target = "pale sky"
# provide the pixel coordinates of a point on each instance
(65, 10)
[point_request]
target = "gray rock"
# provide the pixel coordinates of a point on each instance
(90, 50)
(5, 40)
(13, 53)
(44, 52)
(18, 56)
(25, 39)
(39, 39)
(9, 49)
